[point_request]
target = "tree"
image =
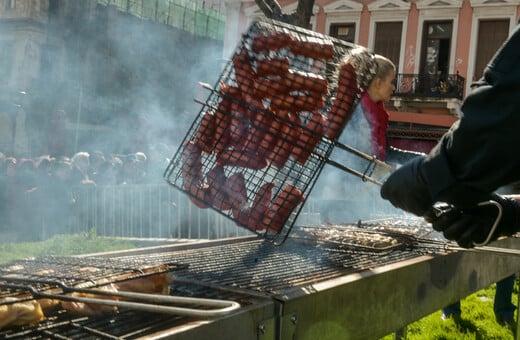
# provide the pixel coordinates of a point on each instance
(302, 16)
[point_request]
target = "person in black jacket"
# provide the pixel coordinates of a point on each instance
(471, 161)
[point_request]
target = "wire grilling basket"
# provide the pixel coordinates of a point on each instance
(267, 128)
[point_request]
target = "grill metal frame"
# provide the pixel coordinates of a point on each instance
(372, 302)
(366, 302)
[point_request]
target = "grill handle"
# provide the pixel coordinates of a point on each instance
(386, 169)
(373, 164)
(155, 303)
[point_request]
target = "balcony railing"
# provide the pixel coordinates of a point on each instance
(427, 86)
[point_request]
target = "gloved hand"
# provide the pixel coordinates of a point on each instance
(473, 225)
(406, 188)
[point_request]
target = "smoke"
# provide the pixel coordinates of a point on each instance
(125, 83)
(344, 197)
(98, 80)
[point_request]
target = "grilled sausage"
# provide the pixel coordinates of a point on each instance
(337, 117)
(272, 67)
(260, 205)
(241, 158)
(222, 123)
(283, 205)
(270, 42)
(287, 139)
(191, 162)
(205, 135)
(239, 124)
(312, 47)
(296, 103)
(268, 87)
(343, 106)
(309, 137)
(244, 72)
(252, 217)
(241, 217)
(270, 138)
(260, 124)
(306, 81)
(192, 174)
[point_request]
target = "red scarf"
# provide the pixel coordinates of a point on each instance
(377, 116)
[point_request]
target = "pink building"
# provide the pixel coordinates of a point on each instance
(439, 47)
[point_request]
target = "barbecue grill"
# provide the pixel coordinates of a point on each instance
(318, 282)
(359, 281)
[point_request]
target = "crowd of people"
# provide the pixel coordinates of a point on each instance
(40, 189)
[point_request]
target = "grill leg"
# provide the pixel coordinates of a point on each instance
(400, 334)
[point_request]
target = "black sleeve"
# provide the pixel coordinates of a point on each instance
(480, 152)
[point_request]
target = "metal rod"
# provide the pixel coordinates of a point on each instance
(363, 176)
(364, 155)
(478, 249)
(488, 249)
(222, 307)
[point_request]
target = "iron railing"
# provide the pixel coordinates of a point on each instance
(145, 211)
(425, 86)
(150, 211)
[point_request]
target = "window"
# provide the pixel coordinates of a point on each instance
(436, 48)
(491, 35)
(345, 32)
(388, 40)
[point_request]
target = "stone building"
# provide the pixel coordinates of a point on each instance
(108, 65)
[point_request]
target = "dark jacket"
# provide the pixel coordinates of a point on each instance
(479, 153)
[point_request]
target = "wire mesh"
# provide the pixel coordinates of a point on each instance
(263, 135)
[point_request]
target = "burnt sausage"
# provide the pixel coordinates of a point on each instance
(270, 42)
(283, 205)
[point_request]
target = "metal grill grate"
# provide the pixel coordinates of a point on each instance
(247, 270)
(257, 146)
(262, 267)
(43, 274)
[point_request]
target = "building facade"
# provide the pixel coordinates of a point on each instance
(438, 46)
(106, 63)
(64, 51)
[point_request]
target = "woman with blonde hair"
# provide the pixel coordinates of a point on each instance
(376, 79)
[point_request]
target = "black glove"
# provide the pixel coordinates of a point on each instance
(406, 188)
(472, 226)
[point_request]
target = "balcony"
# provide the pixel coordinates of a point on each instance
(421, 86)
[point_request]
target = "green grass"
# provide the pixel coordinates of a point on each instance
(62, 245)
(477, 321)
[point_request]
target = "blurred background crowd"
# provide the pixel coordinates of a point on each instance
(42, 189)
